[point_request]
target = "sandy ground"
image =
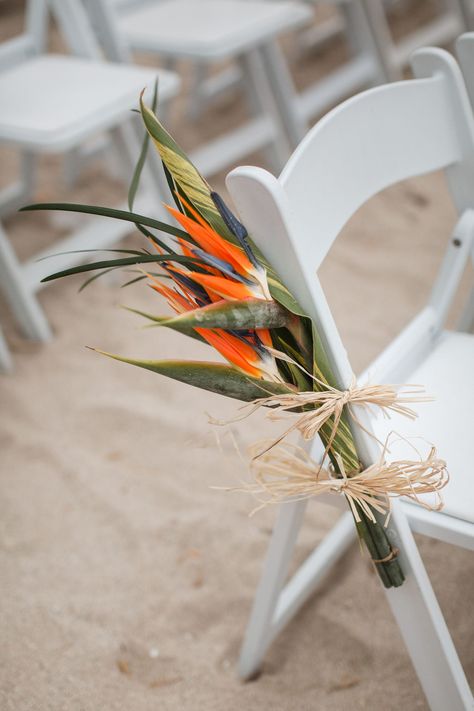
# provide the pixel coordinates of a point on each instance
(127, 580)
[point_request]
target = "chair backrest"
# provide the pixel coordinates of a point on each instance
(376, 139)
(90, 28)
(104, 15)
(73, 21)
(76, 28)
(368, 143)
(32, 41)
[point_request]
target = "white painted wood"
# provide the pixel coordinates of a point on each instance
(13, 196)
(437, 525)
(35, 115)
(447, 374)
(6, 364)
(423, 628)
(465, 53)
(368, 143)
(275, 570)
(53, 103)
(37, 24)
(362, 69)
(211, 31)
(466, 321)
(454, 17)
(309, 576)
(19, 295)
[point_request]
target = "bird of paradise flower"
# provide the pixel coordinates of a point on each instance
(224, 292)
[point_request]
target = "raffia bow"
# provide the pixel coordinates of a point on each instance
(287, 473)
(327, 405)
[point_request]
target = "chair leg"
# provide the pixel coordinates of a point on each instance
(6, 365)
(263, 102)
(284, 92)
(423, 628)
(275, 569)
(382, 37)
(361, 37)
(21, 295)
(465, 10)
(466, 321)
(15, 196)
(276, 605)
(414, 605)
(196, 101)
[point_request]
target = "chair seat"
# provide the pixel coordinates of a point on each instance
(52, 102)
(448, 422)
(209, 29)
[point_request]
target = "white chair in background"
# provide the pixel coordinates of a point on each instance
(465, 52)
(51, 104)
(210, 31)
(371, 141)
(454, 18)
(362, 68)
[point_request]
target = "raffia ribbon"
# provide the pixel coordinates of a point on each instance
(287, 473)
(329, 404)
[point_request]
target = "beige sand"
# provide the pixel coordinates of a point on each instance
(126, 580)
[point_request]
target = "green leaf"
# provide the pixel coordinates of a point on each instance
(133, 281)
(160, 321)
(132, 191)
(233, 316)
(217, 378)
(95, 277)
(109, 212)
(106, 264)
(184, 174)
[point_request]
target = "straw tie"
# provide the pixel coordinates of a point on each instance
(287, 473)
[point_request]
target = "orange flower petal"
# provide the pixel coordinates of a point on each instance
(264, 335)
(177, 302)
(192, 210)
(224, 344)
(212, 242)
(225, 288)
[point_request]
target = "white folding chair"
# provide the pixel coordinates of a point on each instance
(371, 141)
(53, 103)
(362, 68)
(210, 31)
(455, 17)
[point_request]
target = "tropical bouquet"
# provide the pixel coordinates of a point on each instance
(224, 292)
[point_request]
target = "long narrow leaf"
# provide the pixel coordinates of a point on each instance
(96, 276)
(146, 258)
(136, 252)
(137, 173)
(217, 378)
(159, 321)
(233, 315)
(134, 217)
